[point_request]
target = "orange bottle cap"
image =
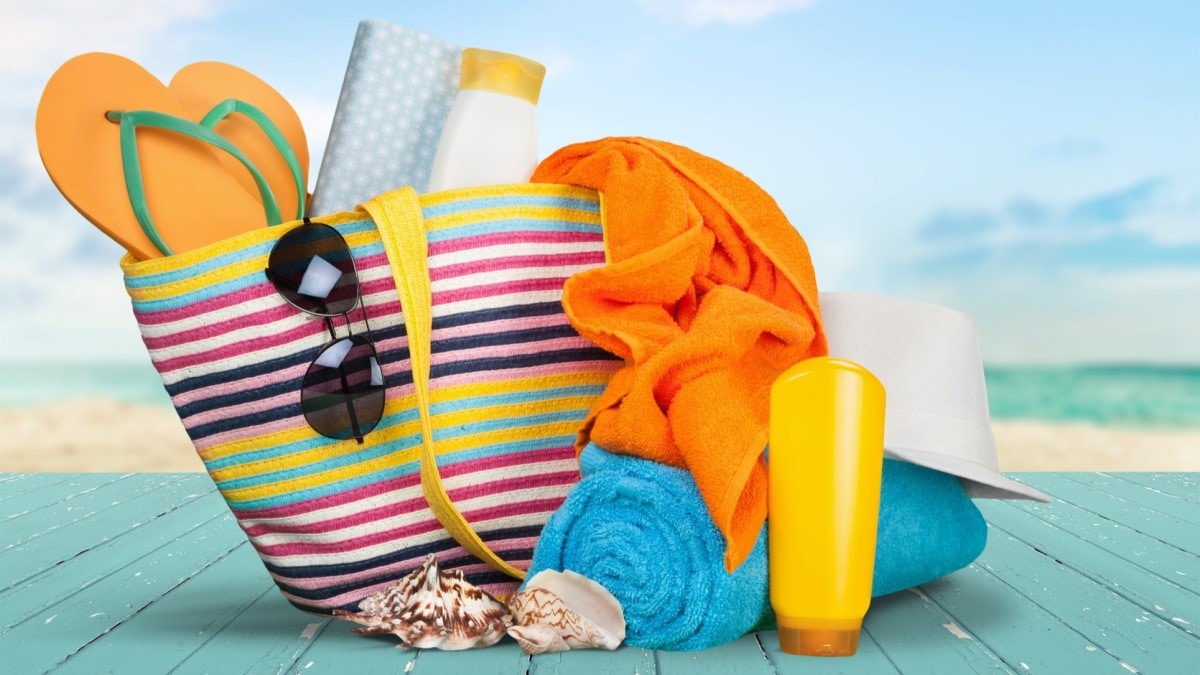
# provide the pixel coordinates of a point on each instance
(819, 641)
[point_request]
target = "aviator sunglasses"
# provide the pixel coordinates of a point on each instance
(342, 394)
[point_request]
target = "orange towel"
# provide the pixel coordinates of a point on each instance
(708, 295)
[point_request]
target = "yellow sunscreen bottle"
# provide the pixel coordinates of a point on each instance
(825, 464)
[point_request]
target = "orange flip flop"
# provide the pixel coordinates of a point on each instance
(212, 92)
(104, 123)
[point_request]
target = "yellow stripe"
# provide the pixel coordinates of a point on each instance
(496, 437)
(323, 478)
(461, 391)
(273, 439)
(513, 190)
(494, 412)
(132, 267)
(311, 456)
(476, 216)
(230, 271)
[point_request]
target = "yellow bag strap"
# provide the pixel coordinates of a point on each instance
(397, 215)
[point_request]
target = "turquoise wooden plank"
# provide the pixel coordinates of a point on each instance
(869, 659)
(6, 477)
(1149, 591)
(745, 655)
(1110, 621)
(1165, 528)
(20, 530)
(1167, 485)
(181, 621)
(599, 661)
(268, 636)
(334, 649)
(30, 482)
(71, 576)
(1176, 509)
(52, 635)
(504, 658)
(918, 636)
(49, 495)
(63, 543)
(1143, 550)
(1184, 484)
(1021, 632)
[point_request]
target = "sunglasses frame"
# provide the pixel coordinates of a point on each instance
(277, 280)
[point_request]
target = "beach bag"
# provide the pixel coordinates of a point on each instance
(486, 383)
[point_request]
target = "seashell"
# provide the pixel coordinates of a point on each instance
(560, 611)
(432, 609)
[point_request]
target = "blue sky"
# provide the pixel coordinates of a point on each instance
(1036, 164)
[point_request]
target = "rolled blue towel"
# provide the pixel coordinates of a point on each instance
(641, 530)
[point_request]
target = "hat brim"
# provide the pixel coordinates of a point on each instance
(981, 482)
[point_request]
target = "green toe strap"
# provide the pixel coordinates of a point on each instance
(232, 105)
(131, 120)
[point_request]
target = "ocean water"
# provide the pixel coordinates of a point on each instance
(1118, 395)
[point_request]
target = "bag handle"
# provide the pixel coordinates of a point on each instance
(397, 215)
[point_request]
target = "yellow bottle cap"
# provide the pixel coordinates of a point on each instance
(819, 641)
(502, 73)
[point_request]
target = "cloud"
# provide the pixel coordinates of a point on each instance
(1143, 223)
(1117, 206)
(40, 34)
(698, 13)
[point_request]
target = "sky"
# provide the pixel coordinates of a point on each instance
(1035, 164)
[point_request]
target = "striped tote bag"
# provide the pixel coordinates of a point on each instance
(486, 386)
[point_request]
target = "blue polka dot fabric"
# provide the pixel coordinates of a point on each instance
(399, 86)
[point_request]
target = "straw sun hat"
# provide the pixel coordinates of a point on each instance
(928, 359)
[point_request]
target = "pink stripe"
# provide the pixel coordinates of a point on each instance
(223, 301)
(286, 398)
(414, 506)
(492, 290)
(394, 484)
(555, 454)
(346, 497)
(500, 326)
(399, 569)
(294, 372)
(569, 367)
(505, 350)
(294, 422)
(376, 310)
(500, 590)
(262, 343)
(252, 292)
(531, 507)
(522, 237)
(516, 262)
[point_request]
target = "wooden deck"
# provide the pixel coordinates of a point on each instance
(148, 573)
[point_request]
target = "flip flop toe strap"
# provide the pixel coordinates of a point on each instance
(131, 120)
(232, 105)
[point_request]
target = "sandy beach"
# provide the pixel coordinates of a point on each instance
(102, 435)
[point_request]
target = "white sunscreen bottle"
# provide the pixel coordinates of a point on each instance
(490, 136)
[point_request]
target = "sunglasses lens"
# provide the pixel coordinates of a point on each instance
(343, 390)
(312, 268)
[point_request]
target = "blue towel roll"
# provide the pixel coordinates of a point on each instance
(641, 530)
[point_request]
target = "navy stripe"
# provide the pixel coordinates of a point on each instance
(511, 337)
(395, 557)
(519, 361)
(478, 578)
(439, 347)
(497, 314)
(279, 363)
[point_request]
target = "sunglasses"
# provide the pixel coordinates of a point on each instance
(343, 391)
